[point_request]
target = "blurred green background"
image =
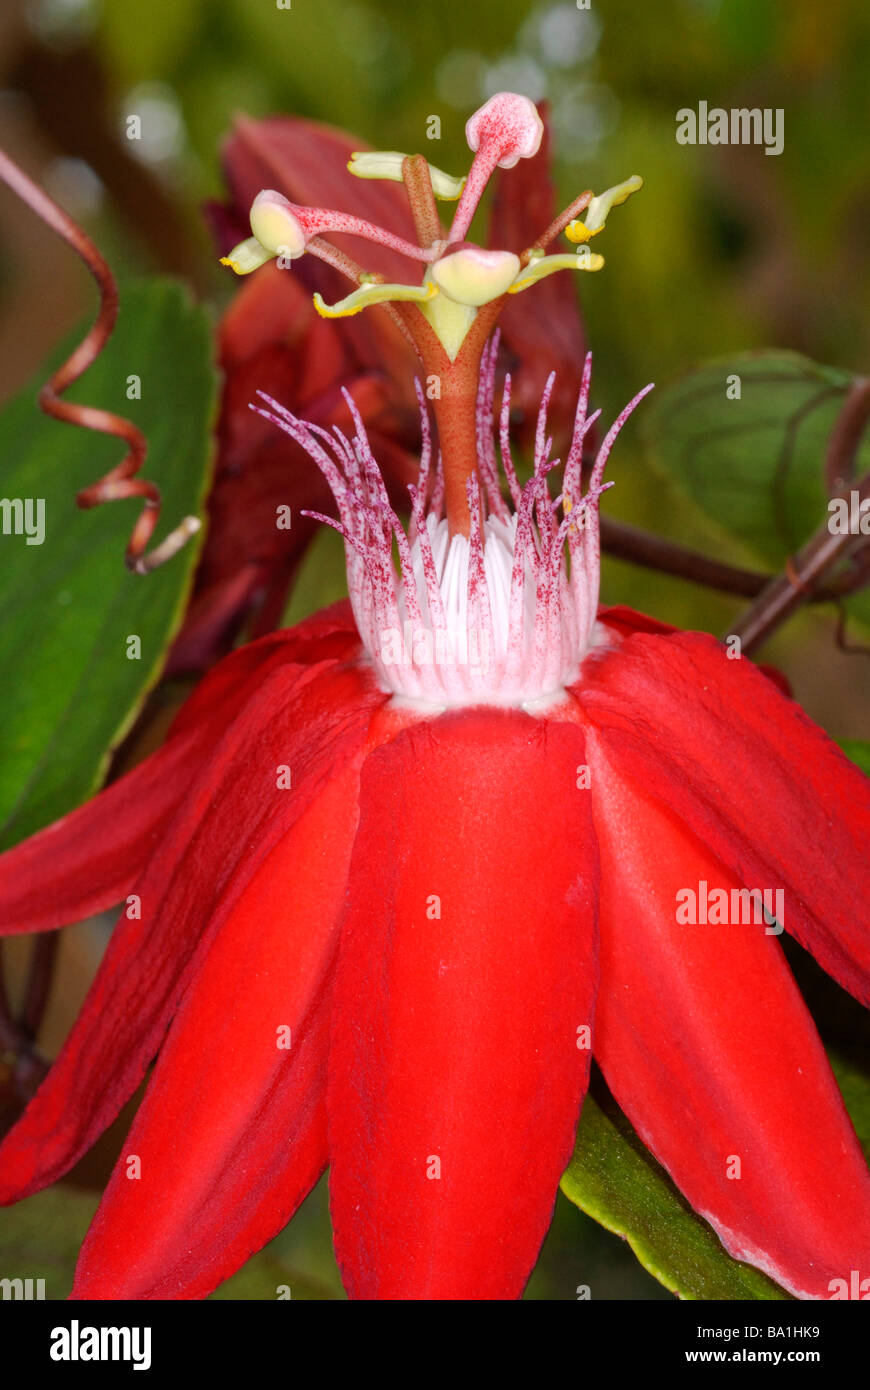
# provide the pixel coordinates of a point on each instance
(725, 249)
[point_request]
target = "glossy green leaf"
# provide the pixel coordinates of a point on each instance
(616, 1180)
(70, 690)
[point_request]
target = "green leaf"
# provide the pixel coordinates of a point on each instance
(614, 1178)
(753, 465)
(858, 751)
(68, 604)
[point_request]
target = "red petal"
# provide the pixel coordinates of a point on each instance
(251, 1112)
(752, 776)
(707, 1045)
(328, 635)
(232, 816)
(455, 1037)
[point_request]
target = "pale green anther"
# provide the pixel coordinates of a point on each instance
(597, 210)
(247, 256)
(540, 266)
(372, 293)
(387, 164)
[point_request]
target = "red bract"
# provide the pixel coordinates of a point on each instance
(396, 875)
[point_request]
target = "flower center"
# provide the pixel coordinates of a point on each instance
(503, 615)
(481, 599)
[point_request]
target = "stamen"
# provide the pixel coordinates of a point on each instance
(599, 207)
(487, 462)
(507, 461)
(426, 441)
(282, 228)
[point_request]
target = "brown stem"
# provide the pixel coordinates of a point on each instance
(654, 552)
(120, 482)
(39, 981)
(850, 648)
(418, 183)
(638, 547)
(800, 580)
(846, 437)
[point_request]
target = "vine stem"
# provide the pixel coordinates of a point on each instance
(121, 481)
(640, 547)
(797, 583)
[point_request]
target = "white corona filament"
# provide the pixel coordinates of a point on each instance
(502, 616)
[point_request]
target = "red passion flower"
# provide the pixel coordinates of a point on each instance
(397, 874)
